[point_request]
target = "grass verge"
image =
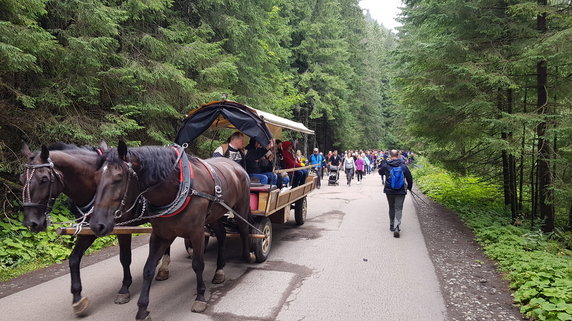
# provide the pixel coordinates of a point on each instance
(538, 265)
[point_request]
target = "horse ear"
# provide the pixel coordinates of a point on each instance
(45, 154)
(122, 150)
(26, 151)
(103, 146)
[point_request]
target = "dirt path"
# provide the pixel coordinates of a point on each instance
(472, 287)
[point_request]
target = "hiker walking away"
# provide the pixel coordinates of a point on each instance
(367, 163)
(397, 181)
(349, 166)
(360, 165)
(317, 159)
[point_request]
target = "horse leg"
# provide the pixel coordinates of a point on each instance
(83, 242)
(157, 247)
(189, 248)
(197, 239)
(123, 295)
(163, 273)
(244, 231)
(220, 233)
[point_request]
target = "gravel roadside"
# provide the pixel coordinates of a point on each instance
(472, 287)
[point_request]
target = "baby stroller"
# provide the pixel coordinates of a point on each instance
(334, 175)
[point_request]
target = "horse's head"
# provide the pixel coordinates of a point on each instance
(117, 190)
(43, 182)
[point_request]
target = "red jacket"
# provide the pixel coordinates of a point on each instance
(287, 158)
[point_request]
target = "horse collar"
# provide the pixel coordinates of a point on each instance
(186, 180)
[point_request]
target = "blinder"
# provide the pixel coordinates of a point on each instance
(53, 175)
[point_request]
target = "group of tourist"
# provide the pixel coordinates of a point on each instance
(260, 164)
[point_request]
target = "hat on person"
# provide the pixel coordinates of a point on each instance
(316, 149)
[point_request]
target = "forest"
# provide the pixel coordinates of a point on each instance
(80, 71)
(481, 88)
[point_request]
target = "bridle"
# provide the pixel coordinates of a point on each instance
(130, 173)
(53, 174)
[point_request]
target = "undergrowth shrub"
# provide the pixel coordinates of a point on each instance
(538, 265)
(19, 246)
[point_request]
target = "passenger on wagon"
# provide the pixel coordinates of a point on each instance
(289, 161)
(258, 163)
(283, 178)
(232, 149)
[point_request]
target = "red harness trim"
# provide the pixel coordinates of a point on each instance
(181, 180)
(179, 210)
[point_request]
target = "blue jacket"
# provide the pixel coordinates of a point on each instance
(317, 159)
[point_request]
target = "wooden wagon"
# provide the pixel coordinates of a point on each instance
(268, 203)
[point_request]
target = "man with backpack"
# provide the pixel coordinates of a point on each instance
(398, 180)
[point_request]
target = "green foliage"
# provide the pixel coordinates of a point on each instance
(539, 268)
(20, 247)
(466, 80)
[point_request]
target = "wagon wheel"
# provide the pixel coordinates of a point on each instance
(300, 210)
(261, 246)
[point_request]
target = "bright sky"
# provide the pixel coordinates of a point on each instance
(384, 11)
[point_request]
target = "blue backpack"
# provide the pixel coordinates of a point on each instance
(396, 179)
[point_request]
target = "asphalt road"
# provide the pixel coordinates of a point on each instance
(343, 264)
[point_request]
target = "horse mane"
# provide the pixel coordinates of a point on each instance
(70, 149)
(156, 162)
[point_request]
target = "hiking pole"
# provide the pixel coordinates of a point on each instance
(418, 198)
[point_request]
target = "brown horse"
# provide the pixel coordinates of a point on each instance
(68, 169)
(151, 172)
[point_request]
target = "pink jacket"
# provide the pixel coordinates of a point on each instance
(360, 164)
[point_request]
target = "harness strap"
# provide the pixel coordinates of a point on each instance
(214, 176)
(219, 201)
(87, 209)
(186, 177)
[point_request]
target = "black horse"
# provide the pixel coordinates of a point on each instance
(69, 169)
(150, 172)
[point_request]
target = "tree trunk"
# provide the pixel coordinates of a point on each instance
(520, 196)
(512, 166)
(570, 219)
(544, 148)
(533, 184)
(504, 154)
(508, 160)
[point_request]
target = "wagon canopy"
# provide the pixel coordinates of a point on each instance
(254, 123)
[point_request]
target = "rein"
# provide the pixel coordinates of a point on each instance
(26, 196)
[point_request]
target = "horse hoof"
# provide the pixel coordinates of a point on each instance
(199, 306)
(218, 277)
(162, 275)
(251, 258)
(147, 318)
(80, 306)
(122, 298)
